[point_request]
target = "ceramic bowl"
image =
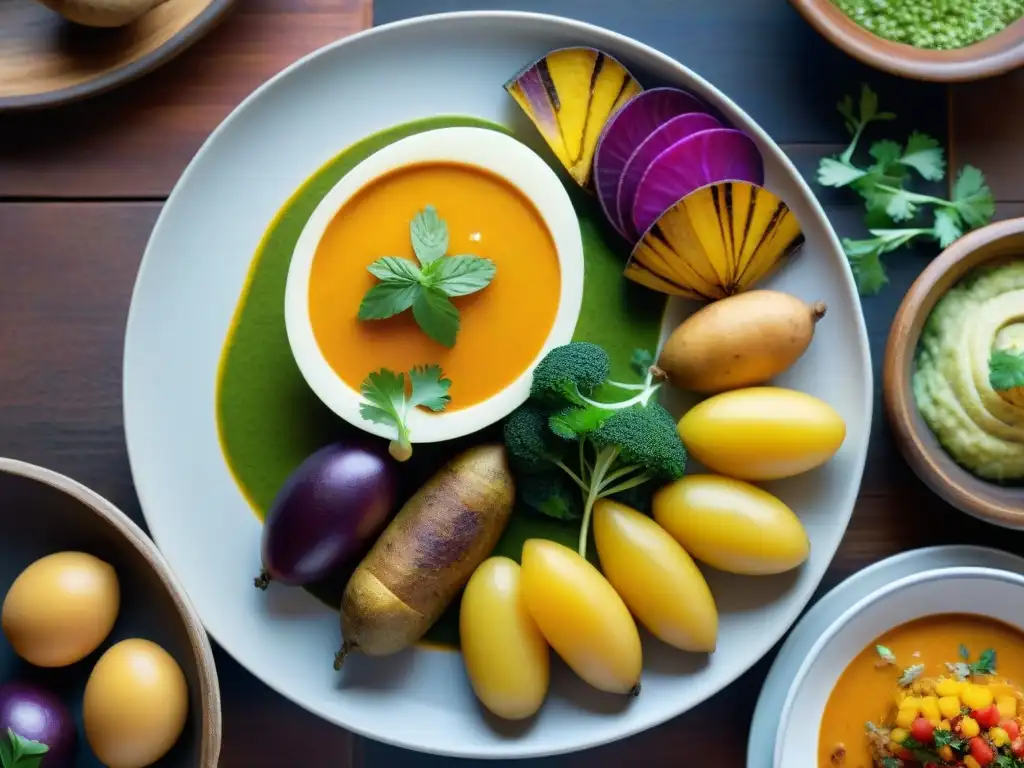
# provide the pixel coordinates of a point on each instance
(492, 151)
(1003, 505)
(42, 512)
(993, 56)
(989, 592)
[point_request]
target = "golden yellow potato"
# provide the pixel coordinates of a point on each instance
(739, 341)
(581, 616)
(135, 705)
(732, 525)
(762, 433)
(657, 579)
(61, 608)
(506, 656)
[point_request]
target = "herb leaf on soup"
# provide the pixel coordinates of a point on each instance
(436, 315)
(429, 235)
(986, 663)
(910, 674)
(885, 654)
(1006, 370)
(460, 275)
(387, 403)
(426, 287)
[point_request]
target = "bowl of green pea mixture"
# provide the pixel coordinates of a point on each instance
(940, 40)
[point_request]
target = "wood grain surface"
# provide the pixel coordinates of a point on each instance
(80, 188)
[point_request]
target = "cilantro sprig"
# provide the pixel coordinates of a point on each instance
(1006, 370)
(18, 752)
(887, 200)
(428, 286)
(387, 401)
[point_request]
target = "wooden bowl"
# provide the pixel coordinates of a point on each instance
(993, 56)
(1002, 505)
(43, 512)
(46, 61)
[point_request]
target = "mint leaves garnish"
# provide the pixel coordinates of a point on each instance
(428, 286)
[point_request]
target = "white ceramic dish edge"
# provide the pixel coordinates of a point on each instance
(492, 151)
(783, 757)
(150, 486)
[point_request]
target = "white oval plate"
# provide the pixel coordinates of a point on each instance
(189, 283)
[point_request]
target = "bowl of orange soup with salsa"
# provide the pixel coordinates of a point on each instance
(928, 672)
(363, 292)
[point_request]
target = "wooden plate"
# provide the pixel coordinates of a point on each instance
(46, 61)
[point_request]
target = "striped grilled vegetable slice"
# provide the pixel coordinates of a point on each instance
(570, 94)
(717, 241)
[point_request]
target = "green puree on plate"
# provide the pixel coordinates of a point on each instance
(936, 24)
(269, 420)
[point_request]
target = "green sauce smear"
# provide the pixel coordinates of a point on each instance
(934, 24)
(269, 420)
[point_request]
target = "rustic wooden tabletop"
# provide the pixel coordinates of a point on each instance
(81, 186)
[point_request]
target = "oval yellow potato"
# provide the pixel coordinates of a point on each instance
(135, 704)
(732, 525)
(60, 608)
(655, 577)
(506, 656)
(581, 616)
(762, 433)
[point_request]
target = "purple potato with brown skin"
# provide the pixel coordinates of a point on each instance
(36, 714)
(328, 511)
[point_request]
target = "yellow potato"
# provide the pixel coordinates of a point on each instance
(656, 578)
(61, 608)
(581, 616)
(732, 525)
(762, 433)
(739, 341)
(135, 704)
(506, 656)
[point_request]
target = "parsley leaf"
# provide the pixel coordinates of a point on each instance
(925, 156)
(835, 173)
(426, 287)
(429, 235)
(964, 653)
(429, 389)
(1006, 370)
(888, 201)
(947, 226)
(891, 762)
(920, 752)
(460, 275)
(949, 739)
(386, 401)
(972, 198)
(910, 674)
(885, 654)
(986, 663)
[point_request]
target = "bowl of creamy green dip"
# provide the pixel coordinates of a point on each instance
(940, 40)
(954, 374)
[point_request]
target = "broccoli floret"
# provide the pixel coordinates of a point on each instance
(612, 447)
(552, 493)
(645, 436)
(570, 373)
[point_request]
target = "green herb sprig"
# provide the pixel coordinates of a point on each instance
(1006, 370)
(387, 401)
(888, 203)
(18, 752)
(428, 286)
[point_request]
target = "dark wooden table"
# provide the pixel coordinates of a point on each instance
(80, 188)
